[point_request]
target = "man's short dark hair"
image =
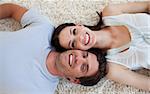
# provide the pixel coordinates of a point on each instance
(94, 79)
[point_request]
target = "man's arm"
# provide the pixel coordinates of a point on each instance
(128, 77)
(131, 7)
(11, 10)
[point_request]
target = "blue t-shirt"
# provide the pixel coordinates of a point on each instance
(23, 57)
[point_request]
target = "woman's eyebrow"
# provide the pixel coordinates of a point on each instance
(70, 40)
(70, 32)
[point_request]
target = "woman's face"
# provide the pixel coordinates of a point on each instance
(77, 37)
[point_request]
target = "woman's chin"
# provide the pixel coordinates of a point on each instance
(86, 47)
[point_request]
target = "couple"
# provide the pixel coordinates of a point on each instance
(29, 64)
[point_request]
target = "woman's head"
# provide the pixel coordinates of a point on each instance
(72, 36)
(77, 37)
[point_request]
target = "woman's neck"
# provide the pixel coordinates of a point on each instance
(104, 39)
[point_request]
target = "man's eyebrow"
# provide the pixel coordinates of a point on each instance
(87, 68)
(87, 65)
(69, 44)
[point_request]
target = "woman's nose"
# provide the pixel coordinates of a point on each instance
(80, 38)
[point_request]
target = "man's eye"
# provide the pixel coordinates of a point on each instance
(73, 44)
(85, 54)
(84, 67)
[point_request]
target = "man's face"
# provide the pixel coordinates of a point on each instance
(77, 63)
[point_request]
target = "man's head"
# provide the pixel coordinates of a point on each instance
(81, 67)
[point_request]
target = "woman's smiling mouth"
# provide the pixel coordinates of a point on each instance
(86, 39)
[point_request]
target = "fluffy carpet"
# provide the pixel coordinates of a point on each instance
(78, 11)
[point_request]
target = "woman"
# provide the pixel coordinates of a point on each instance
(125, 37)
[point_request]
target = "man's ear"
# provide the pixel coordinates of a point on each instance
(73, 80)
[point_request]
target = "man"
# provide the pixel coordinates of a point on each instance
(27, 63)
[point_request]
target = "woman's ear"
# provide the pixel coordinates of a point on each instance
(73, 80)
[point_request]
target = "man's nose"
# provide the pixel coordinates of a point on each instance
(80, 59)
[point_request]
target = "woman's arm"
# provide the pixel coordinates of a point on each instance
(128, 77)
(131, 7)
(11, 10)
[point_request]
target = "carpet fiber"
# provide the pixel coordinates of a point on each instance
(78, 11)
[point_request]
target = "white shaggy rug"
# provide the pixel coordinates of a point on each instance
(78, 11)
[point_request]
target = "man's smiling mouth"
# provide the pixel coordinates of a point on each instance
(70, 59)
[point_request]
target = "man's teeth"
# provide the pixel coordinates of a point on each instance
(70, 59)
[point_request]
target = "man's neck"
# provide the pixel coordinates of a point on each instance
(51, 63)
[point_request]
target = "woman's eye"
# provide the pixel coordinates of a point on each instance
(74, 31)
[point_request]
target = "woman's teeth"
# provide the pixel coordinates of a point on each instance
(87, 38)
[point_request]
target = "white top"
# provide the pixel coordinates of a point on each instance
(23, 57)
(138, 54)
